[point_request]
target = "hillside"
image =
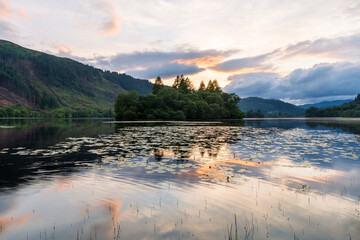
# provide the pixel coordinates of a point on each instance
(350, 109)
(325, 104)
(38, 80)
(270, 107)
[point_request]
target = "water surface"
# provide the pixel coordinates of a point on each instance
(254, 179)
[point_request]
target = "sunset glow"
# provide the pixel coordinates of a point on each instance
(202, 39)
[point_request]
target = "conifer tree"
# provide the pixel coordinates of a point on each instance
(202, 86)
(216, 86)
(210, 86)
(158, 85)
(176, 82)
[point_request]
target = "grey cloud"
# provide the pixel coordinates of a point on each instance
(346, 48)
(253, 84)
(8, 31)
(157, 58)
(153, 63)
(320, 81)
(241, 63)
(166, 71)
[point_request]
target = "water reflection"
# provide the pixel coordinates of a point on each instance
(39, 133)
(282, 179)
(31, 135)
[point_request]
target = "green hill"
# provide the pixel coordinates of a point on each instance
(270, 107)
(38, 81)
(350, 109)
(325, 104)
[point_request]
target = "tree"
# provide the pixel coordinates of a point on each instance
(176, 82)
(357, 99)
(202, 86)
(213, 86)
(311, 112)
(216, 86)
(182, 83)
(124, 102)
(158, 85)
(48, 101)
(210, 86)
(252, 114)
(185, 84)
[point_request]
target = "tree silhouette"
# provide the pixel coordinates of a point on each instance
(158, 85)
(202, 86)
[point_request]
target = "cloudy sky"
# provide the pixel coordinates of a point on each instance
(299, 51)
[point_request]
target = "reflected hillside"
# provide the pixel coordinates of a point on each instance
(346, 125)
(30, 135)
(39, 133)
(351, 126)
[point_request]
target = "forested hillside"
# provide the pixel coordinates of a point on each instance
(40, 81)
(270, 107)
(350, 109)
(325, 104)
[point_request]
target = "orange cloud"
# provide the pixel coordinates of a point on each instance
(244, 70)
(207, 61)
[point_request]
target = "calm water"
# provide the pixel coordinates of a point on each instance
(93, 179)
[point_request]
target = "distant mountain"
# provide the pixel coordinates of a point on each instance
(38, 80)
(270, 107)
(325, 104)
(350, 109)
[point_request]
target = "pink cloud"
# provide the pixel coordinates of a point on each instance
(63, 49)
(111, 27)
(111, 24)
(22, 14)
(6, 11)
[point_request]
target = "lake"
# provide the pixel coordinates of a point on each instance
(252, 179)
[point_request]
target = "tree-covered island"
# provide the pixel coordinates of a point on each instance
(179, 102)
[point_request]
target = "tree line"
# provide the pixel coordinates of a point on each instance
(179, 102)
(252, 114)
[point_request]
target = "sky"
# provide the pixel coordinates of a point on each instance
(302, 51)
